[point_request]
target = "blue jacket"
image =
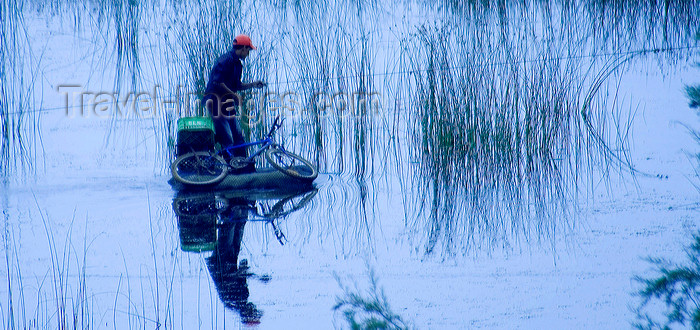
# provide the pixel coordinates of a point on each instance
(226, 73)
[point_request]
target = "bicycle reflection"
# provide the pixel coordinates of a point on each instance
(216, 221)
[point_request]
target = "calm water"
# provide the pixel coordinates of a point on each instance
(466, 153)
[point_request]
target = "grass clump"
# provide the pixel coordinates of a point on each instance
(693, 93)
(369, 310)
(496, 136)
(19, 134)
(677, 286)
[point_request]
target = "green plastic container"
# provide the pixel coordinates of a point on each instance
(197, 233)
(195, 123)
(194, 134)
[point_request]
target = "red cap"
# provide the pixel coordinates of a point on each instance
(243, 40)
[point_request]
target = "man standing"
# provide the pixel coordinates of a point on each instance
(222, 97)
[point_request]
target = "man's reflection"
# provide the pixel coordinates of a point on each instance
(215, 221)
(229, 277)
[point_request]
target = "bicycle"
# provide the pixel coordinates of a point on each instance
(266, 209)
(202, 168)
(266, 206)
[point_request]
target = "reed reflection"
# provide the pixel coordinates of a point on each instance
(215, 222)
(514, 112)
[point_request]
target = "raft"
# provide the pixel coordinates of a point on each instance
(266, 178)
(197, 134)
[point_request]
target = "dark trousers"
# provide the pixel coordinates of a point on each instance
(228, 133)
(227, 130)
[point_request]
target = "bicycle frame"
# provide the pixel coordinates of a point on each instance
(265, 142)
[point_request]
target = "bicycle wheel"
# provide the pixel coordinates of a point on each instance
(291, 164)
(286, 205)
(199, 168)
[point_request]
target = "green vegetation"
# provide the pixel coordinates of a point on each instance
(19, 134)
(126, 19)
(370, 311)
(60, 299)
(68, 295)
(674, 286)
(511, 111)
(501, 129)
(693, 93)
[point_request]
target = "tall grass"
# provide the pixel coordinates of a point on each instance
(334, 56)
(499, 116)
(127, 18)
(610, 26)
(59, 299)
(674, 286)
(693, 94)
(122, 49)
(632, 25)
(19, 134)
(506, 123)
(202, 39)
(63, 287)
(506, 103)
(368, 309)
(329, 60)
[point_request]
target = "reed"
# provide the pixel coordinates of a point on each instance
(693, 94)
(508, 118)
(19, 134)
(68, 294)
(125, 17)
(502, 126)
(121, 49)
(511, 118)
(369, 309)
(340, 118)
(328, 59)
(497, 132)
(499, 118)
(62, 302)
(675, 285)
(630, 26)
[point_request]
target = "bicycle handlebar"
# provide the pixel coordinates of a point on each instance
(275, 125)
